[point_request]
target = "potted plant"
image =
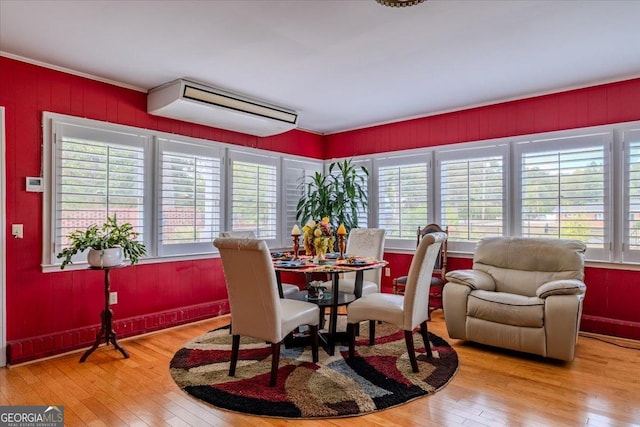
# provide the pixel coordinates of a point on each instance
(108, 245)
(338, 195)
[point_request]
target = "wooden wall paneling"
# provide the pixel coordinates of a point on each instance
(53, 312)
(545, 113)
(176, 292)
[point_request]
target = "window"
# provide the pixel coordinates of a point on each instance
(254, 194)
(180, 192)
(189, 196)
(472, 193)
(562, 190)
(363, 215)
(296, 173)
(97, 173)
(631, 238)
(403, 194)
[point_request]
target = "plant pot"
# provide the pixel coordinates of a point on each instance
(105, 257)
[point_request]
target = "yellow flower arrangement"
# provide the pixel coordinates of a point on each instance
(318, 237)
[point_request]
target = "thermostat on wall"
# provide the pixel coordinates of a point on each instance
(34, 184)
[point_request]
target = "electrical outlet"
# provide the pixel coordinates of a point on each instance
(113, 298)
(17, 231)
(387, 271)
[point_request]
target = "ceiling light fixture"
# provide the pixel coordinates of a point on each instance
(399, 3)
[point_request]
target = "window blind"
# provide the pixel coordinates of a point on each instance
(563, 184)
(254, 195)
(402, 197)
(98, 173)
(190, 193)
(363, 215)
(472, 197)
(631, 247)
(297, 174)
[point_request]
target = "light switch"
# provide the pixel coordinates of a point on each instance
(17, 231)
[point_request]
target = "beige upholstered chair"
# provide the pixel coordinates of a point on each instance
(288, 289)
(249, 234)
(256, 309)
(523, 294)
(439, 270)
(404, 311)
(366, 242)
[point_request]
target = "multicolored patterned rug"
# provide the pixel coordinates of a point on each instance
(379, 377)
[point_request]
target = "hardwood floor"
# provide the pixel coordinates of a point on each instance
(601, 387)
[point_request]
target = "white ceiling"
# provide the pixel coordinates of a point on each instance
(340, 64)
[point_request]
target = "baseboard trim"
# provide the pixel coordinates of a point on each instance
(611, 327)
(43, 346)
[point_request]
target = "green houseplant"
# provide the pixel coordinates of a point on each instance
(338, 195)
(100, 239)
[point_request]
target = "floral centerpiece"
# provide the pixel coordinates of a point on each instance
(318, 238)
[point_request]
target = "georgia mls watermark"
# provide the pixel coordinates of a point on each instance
(31, 416)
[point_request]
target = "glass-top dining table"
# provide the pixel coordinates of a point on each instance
(333, 299)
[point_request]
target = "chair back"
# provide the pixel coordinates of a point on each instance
(440, 267)
(520, 265)
(252, 288)
(367, 242)
(249, 234)
(416, 294)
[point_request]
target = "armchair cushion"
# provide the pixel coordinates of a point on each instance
(475, 279)
(508, 309)
(561, 287)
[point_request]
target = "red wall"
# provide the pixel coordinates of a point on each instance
(48, 313)
(597, 105)
(611, 300)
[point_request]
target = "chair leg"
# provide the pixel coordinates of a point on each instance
(424, 331)
(408, 339)
(351, 332)
(275, 361)
(314, 343)
(235, 346)
(372, 332)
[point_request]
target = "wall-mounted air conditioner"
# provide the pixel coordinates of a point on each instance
(197, 103)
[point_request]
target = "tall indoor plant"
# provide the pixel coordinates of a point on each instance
(339, 195)
(101, 240)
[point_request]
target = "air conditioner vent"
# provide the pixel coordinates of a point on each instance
(193, 102)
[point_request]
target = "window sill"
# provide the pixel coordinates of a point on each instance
(55, 268)
(629, 266)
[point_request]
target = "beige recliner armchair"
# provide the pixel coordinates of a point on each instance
(522, 294)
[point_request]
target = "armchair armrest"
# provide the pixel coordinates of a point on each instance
(474, 279)
(561, 287)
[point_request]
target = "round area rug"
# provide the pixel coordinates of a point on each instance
(379, 377)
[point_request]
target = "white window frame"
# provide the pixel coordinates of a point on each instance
(470, 152)
(155, 252)
(560, 142)
(260, 158)
(189, 147)
(418, 158)
(616, 205)
(297, 169)
(371, 198)
(52, 125)
(3, 242)
(629, 137)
